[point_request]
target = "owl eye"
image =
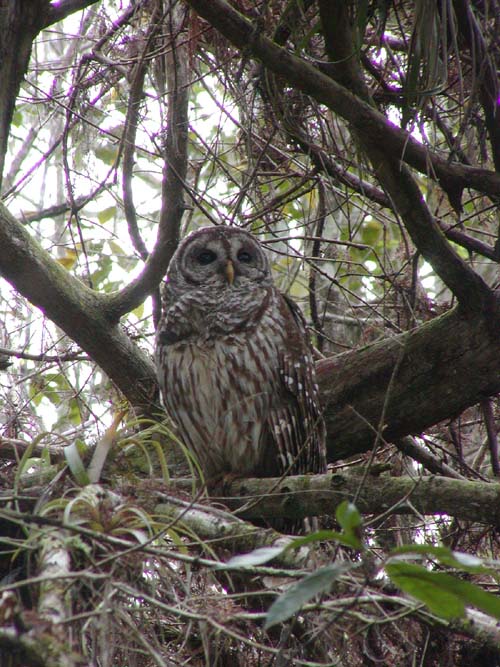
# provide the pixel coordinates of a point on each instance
(206, 257)
(244, 256)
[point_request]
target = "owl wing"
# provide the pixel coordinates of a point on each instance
(295, 423)
(176, 323)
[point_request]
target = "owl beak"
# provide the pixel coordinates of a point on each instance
(229, 271)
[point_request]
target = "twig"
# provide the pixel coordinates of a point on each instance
(409, 447)
(491, 431)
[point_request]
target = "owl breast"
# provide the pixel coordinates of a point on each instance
(220, 383)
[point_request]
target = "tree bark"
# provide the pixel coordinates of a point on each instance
(316, 495)
(20, 22)
(440, 368)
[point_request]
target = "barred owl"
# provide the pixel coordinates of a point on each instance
(234, 361)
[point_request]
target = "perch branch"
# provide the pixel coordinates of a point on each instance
(314, 495)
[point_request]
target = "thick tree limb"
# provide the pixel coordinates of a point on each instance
(445, 366)
(227, 531)
(59, 10)
(310, 495)
(20, 22)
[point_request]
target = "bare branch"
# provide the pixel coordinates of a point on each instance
(128, 142)
(307, 78)
(411, 448)
(59, 10)
(470, 289)
(492, 436)
(174, 174)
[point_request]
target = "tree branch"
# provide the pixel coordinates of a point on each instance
(470, 243)
(432, 463)
(59, 10)
(484, 70)
(77, 310)
(363, 117)
(174, 172)
(316, 495)
(230, 532)
(469, 288)
(20, 22)
(448, 364)
(128, 143)
(325, 163)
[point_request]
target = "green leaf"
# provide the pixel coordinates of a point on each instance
(139, 311)
(444, 555)
(371, 232)
(103, 270)
(106, 214)
(17, 118)
(256, 557)
(445, 595)
(347, 540)
(351, 521)
(348, 516)
(295, 597)
(75, 463)
(73, 412)
(107, 153)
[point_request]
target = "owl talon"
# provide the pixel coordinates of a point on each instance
(220, 485)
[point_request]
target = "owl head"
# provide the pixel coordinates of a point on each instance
(219, 257)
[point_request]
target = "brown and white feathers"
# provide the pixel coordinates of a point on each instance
(234, 361)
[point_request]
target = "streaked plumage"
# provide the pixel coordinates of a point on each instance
(234, 361)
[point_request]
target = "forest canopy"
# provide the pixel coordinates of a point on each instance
(360, 143)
